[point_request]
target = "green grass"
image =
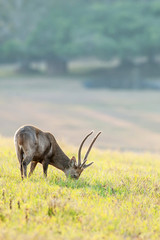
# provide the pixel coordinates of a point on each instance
(117, 198)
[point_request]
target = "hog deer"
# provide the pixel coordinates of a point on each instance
(33, 145)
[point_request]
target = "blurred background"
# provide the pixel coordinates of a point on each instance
(72, 66)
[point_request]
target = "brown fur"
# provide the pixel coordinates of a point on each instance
(33, 145)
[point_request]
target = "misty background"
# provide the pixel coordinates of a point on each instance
(72, 66)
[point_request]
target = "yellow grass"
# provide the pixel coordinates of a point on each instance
(117, 198)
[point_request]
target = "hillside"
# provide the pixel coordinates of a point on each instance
(63, 106)
(117, 198)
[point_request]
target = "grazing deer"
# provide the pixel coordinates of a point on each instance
(33, 145)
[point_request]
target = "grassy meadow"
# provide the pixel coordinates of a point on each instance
(117, 198)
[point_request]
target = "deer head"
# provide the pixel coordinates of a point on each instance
(75, 169)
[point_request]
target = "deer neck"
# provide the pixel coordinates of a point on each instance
(60, 159)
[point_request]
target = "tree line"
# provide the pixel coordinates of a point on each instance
(59, 31)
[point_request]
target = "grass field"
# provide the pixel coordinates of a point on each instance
(117, 198)
(63, 106)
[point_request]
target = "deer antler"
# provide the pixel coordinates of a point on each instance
(80, 148)
(87, 153)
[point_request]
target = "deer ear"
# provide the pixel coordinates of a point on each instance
(73, 161)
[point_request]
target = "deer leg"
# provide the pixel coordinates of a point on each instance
(26, 161)
(33, 165)
(19, 153)
(45, 167)
(21, 169)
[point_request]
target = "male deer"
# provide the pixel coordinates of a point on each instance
(33, 145)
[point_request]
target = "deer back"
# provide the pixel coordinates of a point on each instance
(40, 146)
(34, 141)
